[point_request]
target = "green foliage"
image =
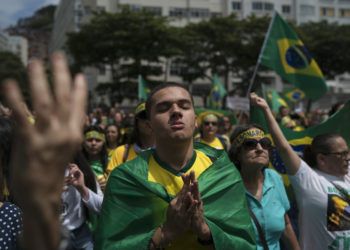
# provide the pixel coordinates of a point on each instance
(138, 43)
(329, 45)
(11, 67)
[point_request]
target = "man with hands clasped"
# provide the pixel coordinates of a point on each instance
(179, 195)
(185, 212)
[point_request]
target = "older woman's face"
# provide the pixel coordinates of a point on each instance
(254, 152)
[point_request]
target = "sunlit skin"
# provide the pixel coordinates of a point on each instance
(172, 116)
(334, 164)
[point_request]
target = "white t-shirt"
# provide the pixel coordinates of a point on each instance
(324, 213)
(73, 214)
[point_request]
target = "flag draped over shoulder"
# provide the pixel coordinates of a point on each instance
(217, 93)
(134, 207)
(286, 54)
(338, 123)
(142, 89)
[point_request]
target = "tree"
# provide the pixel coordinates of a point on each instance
(329, 45)
(129, 43)
(11, 67)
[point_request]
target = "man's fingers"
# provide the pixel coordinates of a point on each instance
(78, 103)
(15, 101)
(40, 93)
(192, 176)
(195, 191)
(62, 84)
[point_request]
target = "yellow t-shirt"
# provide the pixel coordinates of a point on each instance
(216, 143)
(117, 157)
(159, 172)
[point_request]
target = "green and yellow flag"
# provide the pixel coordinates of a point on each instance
(137, 197)
(286, 54)
(142, 89)
(217, 93)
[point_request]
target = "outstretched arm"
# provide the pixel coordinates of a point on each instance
(289, 157)
(43, 150)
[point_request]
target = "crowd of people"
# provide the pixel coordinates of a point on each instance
(158, 177)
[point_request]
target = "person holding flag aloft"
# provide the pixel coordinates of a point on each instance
(321, 184)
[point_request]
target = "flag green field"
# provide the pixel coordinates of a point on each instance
(287, 55)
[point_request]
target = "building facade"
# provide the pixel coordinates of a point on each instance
(17, 45)
(71, 14)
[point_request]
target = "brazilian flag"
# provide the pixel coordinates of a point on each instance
(286, 54)
(294, 94)
(135, 204)
(142, 89)
(217, 93)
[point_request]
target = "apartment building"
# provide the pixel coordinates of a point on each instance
(71, 14)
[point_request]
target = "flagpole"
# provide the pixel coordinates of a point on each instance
(258, 62)
(262, 49)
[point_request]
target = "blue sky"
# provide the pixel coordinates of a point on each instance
(12, 10)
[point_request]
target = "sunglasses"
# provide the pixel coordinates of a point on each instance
(210, 123)
(250, 144)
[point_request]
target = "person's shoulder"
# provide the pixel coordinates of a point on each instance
(273, 174)
(137, 166)
(8, 207)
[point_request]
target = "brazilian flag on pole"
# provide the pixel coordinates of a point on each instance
(142, 89)
(217, 93)
(286, 54)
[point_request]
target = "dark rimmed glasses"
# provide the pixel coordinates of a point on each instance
(250, 144)
(342, 154)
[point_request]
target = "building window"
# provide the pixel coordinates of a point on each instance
(262, 6)
(236, 6)
(199, 13)
(286, 9)
(157, 11)
(344, 13)
(268, 6)
(327, 12)
(307, 10)
(257, 5)
(178, 12)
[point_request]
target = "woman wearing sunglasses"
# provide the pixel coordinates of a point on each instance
(267, 199)
(322, 190)
(209, 132)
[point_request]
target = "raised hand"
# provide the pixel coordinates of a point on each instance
(43, 150)
(258, 101)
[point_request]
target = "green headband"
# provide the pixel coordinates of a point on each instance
(96, 135)
(252, 133)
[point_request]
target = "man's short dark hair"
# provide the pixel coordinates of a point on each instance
(149, 101)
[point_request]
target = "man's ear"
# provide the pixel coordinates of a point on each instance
(320, 160)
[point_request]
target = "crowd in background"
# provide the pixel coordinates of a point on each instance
(112, 137)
